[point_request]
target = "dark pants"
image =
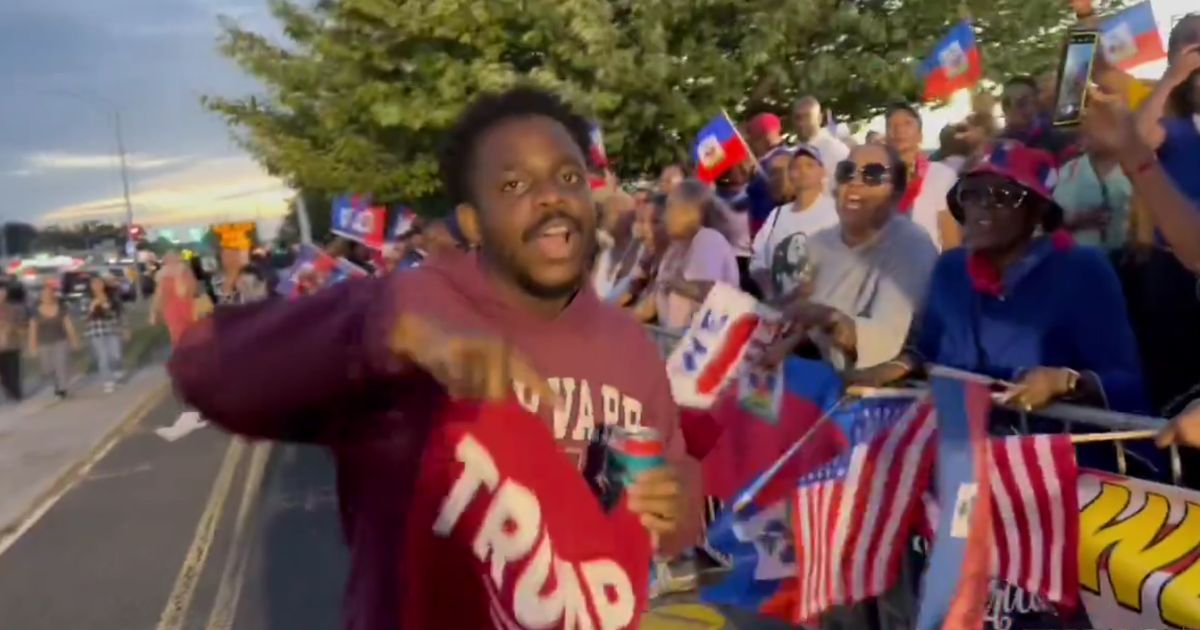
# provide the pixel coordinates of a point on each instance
(1169, 330)
(747, 283)
(10, 373)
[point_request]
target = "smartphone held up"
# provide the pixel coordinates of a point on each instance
(1074, 76)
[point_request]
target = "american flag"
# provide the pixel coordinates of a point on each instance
(1035, 510)
(1034, 503)
(853, 516)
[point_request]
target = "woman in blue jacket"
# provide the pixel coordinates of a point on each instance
(1020, 302)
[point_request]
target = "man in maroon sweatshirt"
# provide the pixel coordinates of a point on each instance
(364, 366)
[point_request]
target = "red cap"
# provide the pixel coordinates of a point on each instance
(765, 123)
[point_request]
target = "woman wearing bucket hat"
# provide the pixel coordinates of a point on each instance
(1019, 302)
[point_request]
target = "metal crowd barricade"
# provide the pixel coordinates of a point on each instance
(897, 613)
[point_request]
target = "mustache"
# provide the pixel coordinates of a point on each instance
(532, 232)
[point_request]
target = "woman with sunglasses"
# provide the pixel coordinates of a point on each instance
(1020, 302)
(870, 272)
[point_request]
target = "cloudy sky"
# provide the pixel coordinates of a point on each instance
(66, 64)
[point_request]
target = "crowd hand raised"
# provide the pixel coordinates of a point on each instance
(1186, 64)
(476, 367)
(1108, 124)
(1184, 429)
(656, 498)
(1038, 387)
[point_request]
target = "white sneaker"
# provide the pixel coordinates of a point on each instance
(110, 387)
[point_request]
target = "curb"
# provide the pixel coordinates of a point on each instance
(12, 531)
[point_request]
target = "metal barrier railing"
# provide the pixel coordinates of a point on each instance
(895, 610)
(1068, 415)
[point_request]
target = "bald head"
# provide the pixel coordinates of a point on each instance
(806, 118)
(617, 211)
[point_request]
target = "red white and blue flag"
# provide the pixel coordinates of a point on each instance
(1035, 515)
(1131, 38)
(1032, 480)
(719, 147)
(957, 583)
(597, 154)
(954, 65)
(355, 218)
(772, 539)
(404, 222)
(853, 517)
(742, 437)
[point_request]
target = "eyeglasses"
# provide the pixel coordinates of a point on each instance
(873, 174)
(1004, 196)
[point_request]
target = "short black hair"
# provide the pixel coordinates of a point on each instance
(897, 108)
(457, 157)
(1022, 79)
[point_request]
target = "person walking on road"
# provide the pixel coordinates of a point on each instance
(105, 330)
(51, 338)
(174, 297)
(13, 318)
(351, 366)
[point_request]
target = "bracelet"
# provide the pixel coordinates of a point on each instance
(1072, 379)
(1145, 166)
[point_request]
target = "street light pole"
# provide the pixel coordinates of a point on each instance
(137, 271)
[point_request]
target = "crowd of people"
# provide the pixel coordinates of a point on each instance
(1011, 252)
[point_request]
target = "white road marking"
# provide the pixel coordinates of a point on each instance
(187, 422)
(233, 575)
(140, 468)
(174, 616)
(69, 480)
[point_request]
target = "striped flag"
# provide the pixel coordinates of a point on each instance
(1035, 515)
(852, 517)
(1033, 500)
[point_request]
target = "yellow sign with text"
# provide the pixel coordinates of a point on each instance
(1139, 552)
(236, 236)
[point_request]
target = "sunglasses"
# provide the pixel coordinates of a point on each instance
(873, 174)
(1005, 196)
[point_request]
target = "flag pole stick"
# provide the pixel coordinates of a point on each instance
(1112, 436)
(746, 496)
(738, 133)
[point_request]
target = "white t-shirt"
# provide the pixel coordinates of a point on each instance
(781, 245)
(939, 179)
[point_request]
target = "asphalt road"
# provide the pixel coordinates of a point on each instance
(205, 532)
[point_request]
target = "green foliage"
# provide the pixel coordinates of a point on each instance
(359, 97)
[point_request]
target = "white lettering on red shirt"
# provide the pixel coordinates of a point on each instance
(512, 537)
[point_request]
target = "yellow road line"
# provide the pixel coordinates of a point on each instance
(174, 616)
(233, 575)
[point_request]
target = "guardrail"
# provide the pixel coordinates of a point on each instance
(1069, 416)
(895, 609)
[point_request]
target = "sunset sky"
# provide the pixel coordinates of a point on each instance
(67, 64)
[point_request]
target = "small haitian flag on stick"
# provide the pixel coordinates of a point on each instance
(954, 65)
(719, 147)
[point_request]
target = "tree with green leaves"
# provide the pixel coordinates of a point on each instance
(359, 97)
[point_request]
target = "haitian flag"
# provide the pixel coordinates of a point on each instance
(596, 152)
(885, 436)
(356, 219)
(763, 414)
(404, 223)
(719, 147)
(1130, 38)
(956, 586)
(954, 65)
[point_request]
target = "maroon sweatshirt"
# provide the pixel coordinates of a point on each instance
(317, 370)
